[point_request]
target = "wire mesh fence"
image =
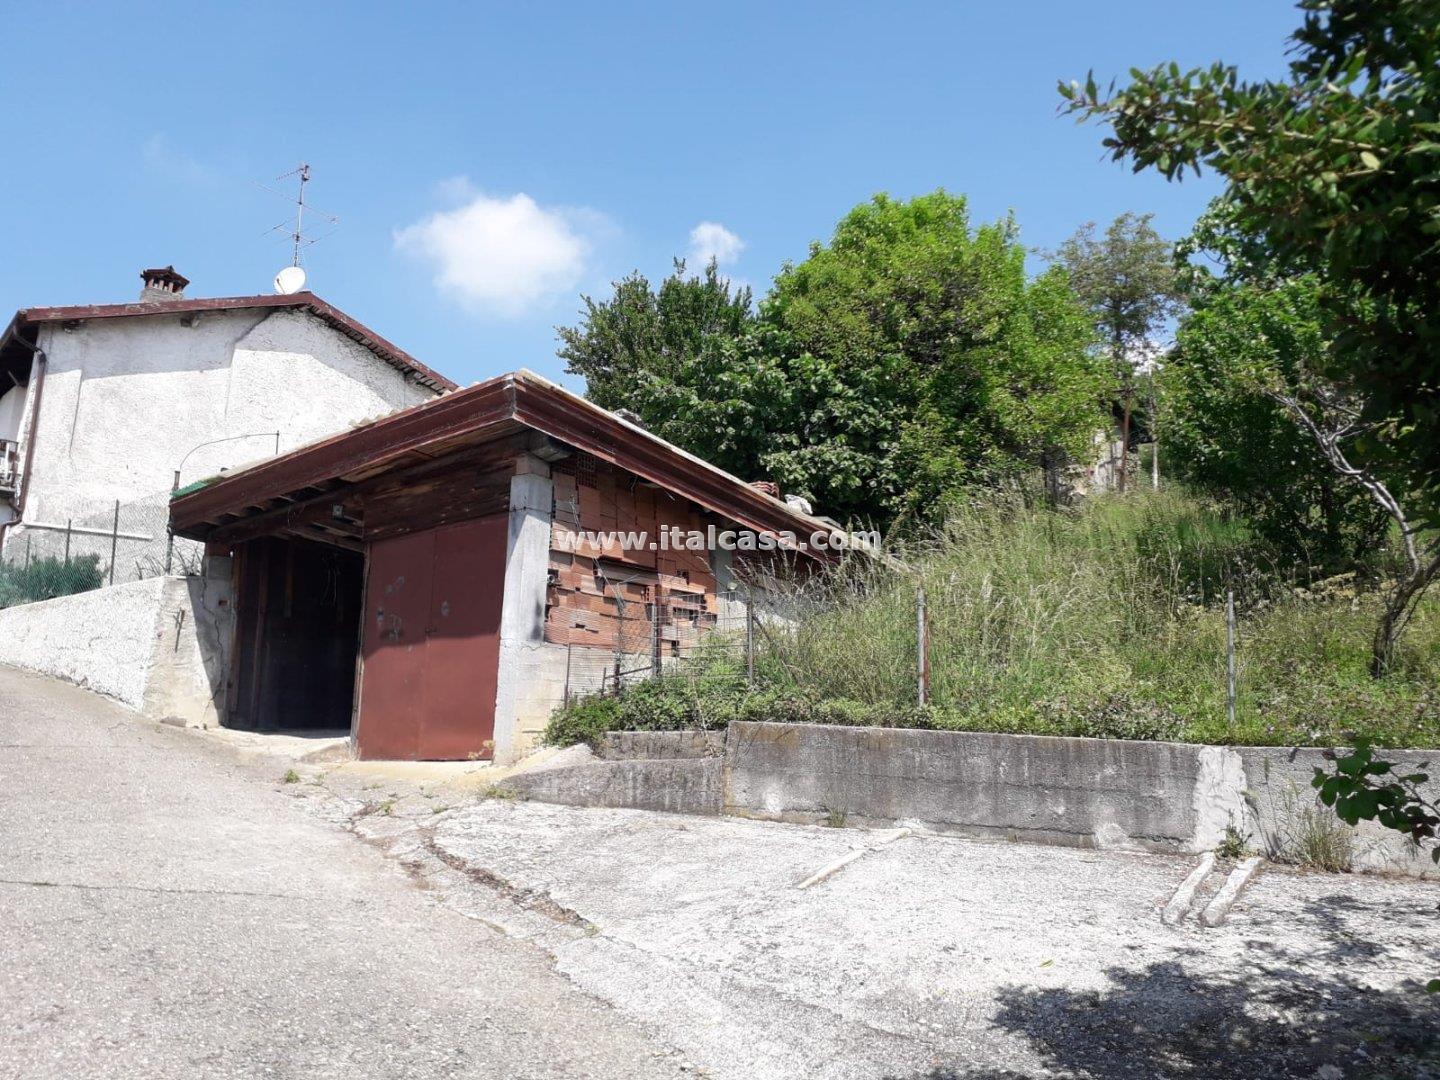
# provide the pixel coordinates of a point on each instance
(673, 635)
(108, 545)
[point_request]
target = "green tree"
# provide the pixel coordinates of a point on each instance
(1127, 279)
(1268, 322)
(908, 359)
(688, 358)
(1229, 437)
(1336, 170)
(922, 361)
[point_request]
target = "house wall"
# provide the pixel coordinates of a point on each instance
(12, 412)
(126, 399)
(601, 596)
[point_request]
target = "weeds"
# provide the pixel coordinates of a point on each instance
(290, 777)
(1106, 621)
(1233, 846)
(835, 819)
(1310, 835)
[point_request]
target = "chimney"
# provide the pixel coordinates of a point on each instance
(162, 285)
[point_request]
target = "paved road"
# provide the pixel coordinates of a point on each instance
(166, 912)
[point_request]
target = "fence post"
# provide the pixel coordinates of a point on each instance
(169, 532)
(922, 639)
(114, 540)
(569, 646)
(619, 637)
(67, 540)
(750, 636)
(1230, 656)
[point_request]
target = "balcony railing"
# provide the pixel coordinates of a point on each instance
(9, 466)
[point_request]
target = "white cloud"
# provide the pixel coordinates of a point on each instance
(502, 255)
(163, 156)
(711, 240)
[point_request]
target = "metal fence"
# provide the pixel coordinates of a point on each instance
(108, 545)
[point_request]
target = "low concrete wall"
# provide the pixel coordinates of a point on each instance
(159, 646)
(1089, 792)
(1082, 791)
(102, 640)
(1282, 811)
(655, 745)
(576, 777)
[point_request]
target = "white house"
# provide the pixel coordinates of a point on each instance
(121, 403)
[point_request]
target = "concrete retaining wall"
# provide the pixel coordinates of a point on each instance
(1152, 796)
(103, 640)
(1089, 792)
(631, 745)
(159, 646)
(576, 777)
(1281, 808)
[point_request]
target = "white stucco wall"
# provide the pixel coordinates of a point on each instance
(103, 640)
(12, 411)
(194, 640)
(161, 646)
(126, 399)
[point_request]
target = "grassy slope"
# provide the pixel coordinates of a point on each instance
(1106, 621)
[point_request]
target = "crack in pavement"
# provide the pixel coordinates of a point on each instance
(536, 900)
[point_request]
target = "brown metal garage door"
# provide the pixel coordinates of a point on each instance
(432, 643)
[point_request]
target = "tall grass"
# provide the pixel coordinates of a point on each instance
(1107, 620)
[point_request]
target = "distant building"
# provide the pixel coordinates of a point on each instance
(122, 402)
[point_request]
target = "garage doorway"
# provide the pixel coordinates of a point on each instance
(296, 636)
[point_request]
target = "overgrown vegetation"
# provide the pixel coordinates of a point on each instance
(1106, 621)
(47, 578)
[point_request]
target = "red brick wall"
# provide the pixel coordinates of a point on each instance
(603, 596)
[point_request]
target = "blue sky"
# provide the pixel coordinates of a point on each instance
(490, 163)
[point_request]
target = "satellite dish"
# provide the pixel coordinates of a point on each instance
(290, 280)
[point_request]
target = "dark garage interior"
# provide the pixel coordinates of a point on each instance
(296, 636)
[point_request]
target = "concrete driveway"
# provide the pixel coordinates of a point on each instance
(165, 912)
(169, 912)
(932, 958)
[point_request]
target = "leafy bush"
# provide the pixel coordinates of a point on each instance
(47, 578)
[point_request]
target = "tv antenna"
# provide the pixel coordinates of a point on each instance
(291, 279)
